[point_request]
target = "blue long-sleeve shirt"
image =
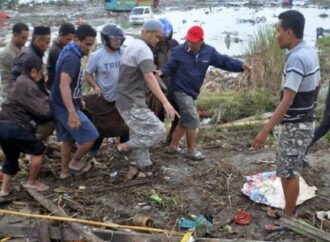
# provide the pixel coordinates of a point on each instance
(188, 69)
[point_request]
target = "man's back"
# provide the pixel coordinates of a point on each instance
(54, 53)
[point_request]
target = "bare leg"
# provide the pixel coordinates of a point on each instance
(35, 166)
(82, 150)
(191, 140)
(65, 154)
(5, 187)
(178, 134)
(291, 192)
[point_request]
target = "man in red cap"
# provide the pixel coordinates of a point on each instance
(187, 67)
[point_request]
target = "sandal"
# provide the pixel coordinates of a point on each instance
(196, 156)
(137, 174)
(120, 153)
(275, 227)
(177, 150)
(83, 170)
(276, 213)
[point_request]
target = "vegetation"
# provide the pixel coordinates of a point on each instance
(237, 104)
(267, 59)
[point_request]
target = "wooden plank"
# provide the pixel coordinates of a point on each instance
(43, 231)
(28, 231)
(304, 229)
(80, 229)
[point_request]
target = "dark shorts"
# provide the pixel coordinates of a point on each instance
(187, 109)
(14, 140)
(293, 141)
(85, 133)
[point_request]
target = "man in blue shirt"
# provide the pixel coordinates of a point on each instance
(187, 67)
(70, 122)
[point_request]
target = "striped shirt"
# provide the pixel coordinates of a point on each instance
(301, 74)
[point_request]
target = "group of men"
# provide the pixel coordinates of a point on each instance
(123, 76)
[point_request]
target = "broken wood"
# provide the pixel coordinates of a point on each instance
(303, 228)
(43, 231)
(19, 231)
(60, 212)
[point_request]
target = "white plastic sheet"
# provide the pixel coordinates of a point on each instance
(266, 188)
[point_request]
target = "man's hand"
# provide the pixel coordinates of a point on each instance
(247, 68)
(74, 121)
(97, 91)
(158, 73)
(259, 141)
(170, 111)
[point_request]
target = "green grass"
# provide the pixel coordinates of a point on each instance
(237, 104)
(324, 44)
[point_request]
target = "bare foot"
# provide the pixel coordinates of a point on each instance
(37, 185)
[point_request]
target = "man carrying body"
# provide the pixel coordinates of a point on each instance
(296, 111)
(72, 125)
(20, 33)
(136, 74)
(65, 35)
(187, 66)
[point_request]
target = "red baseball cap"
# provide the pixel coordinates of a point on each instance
(195, 34)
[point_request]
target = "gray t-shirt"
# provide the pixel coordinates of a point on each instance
(105, 65)
(301, 74)
(137, 60)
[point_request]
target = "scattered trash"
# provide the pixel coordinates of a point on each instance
(265, 162)
(113, 174)
(143, 220)
(228, 228)
(242, 218)
(322, 215)
(156, 198)
(266, 188)
(205, 121)
(188, 237)
(82, 187)
(193, 224)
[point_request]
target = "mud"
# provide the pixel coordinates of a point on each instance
(210, 187)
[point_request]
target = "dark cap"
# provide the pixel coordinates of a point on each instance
(41, 30)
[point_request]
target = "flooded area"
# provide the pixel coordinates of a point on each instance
(227, 28)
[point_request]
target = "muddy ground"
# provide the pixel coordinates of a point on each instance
(210, 187)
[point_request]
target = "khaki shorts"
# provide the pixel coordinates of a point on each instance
(187, 108)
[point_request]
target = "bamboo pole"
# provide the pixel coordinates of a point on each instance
(89, 222)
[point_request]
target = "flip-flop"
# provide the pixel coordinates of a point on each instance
(177, 150)
(275, 227)
(274, 213)
(4, 194)
(83, 170)
(139, 174)
(37, 188)
(120, 153)
(196, 156)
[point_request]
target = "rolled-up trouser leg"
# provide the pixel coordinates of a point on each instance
(145, 131)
